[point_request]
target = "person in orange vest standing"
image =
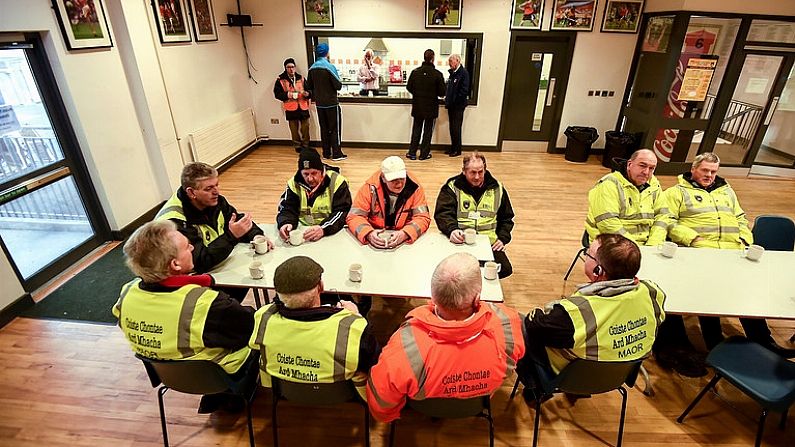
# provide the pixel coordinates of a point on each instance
(289, 89)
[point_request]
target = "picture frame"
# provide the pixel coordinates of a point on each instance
(527, 14)
(318, 13)
(203, 18)
(172, 18)
(622, 16)
(443, 13)
(573, 15)
(83, 23)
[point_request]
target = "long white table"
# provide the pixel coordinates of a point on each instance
(404, 271)
(704, 281)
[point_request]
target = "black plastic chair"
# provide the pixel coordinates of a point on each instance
(316, 394)
(776, 233)
(764, 376)
(586, 242)
(586, 377)
(194, 377)
(451, 408)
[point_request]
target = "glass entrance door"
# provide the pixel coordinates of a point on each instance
(45, 223)
(777, 148)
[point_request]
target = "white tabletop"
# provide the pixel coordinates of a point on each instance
(705, 281)
(404, 271)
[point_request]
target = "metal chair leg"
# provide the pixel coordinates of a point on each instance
(571, 267)
(273, 420)
(698, 398)
(783, 422)
(515, 386)
(623, 392)
(538, 420)
(392, 433)
(160, 392)
(647, 390)
(761, 427)
(250, 425)
(366, 426)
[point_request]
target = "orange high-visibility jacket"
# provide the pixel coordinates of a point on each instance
(429, 357)
(368, 211)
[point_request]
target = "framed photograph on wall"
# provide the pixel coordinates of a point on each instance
(622, 16)
(203, 20)
(318, 13)
(172, 20)
(573, 15)
(83, 23)
(443, 13)
(526, 14)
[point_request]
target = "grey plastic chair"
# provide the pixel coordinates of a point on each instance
(450, 408)
(316, 394)
(195, 377)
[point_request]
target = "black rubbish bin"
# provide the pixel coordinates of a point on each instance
(619, 145)
(578, 143)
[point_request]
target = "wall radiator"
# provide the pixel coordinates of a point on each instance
(219, 142)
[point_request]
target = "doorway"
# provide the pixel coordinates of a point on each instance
(535, 87)
(774, 148)
(49, 214)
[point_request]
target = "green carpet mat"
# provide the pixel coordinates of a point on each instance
(89, 295)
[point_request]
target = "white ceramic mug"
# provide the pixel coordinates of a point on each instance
(491, 270)
(470, 235)
(754, 252)
(668, 249)
(355, 272)
(256, 270)
(296, 237)
(260, 244)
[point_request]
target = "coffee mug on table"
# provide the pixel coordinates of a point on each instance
(296, 237)
(668, 249)
(469, 236)
(355, 272)
(256, 270)
(491, 270)
(260, 244)
(754, 252)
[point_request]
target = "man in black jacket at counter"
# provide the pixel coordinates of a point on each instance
(426, 85)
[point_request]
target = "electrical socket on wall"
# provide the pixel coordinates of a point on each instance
(274, 120)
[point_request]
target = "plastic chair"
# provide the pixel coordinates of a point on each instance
(764, 376)
(195, 377)
(316, 394)
(586, 242)
(451, 408)
(776, 233)
(586, 377)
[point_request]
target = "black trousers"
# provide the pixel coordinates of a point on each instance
(456, 116)
(755, 329)
(330, 120)
(422, 127)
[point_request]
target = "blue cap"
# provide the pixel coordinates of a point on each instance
(322, 50)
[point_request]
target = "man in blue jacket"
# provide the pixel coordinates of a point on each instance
(322, 83)
(456, 101)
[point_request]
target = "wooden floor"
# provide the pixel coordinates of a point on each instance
(75, 384)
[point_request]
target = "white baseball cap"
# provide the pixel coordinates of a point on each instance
(393, 168)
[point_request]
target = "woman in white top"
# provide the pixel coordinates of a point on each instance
(368, 75)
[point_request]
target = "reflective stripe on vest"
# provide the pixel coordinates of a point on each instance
(291, 104)
(305, 351)
(322, 206)
(487, 209)
(172, 210)
(610, 330)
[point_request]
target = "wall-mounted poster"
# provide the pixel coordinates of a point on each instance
(203, 20)
(622, 16)
(318, 13)
(526, 14)
(83, 23)
(172, 20)
(658, 31)
(443, 13)
(573, 15)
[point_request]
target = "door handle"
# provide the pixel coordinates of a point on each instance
(773, 107)
(550, 91)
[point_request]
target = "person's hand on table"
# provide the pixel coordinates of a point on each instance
(313, 233)
(457, 237)
(239, 226)
(376, 240)
(344, 304)
(397, 238)
(270, 243)
(284, 231)
(498, 246)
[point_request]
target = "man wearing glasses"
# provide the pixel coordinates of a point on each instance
(613, 318)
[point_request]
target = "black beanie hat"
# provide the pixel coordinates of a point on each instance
(289, 60)
(309, 159)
